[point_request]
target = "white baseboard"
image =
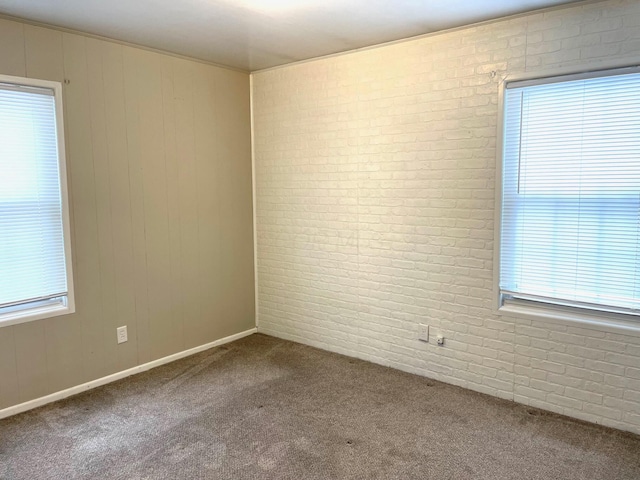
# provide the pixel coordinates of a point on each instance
(38, 402)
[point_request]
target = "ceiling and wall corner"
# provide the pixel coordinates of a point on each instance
(253, 35)
(585, 376)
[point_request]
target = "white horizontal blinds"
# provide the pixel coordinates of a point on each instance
(32, 263)
(571, 193)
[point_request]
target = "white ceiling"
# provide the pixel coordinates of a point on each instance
(256, 34)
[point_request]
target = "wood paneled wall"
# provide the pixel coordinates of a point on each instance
(159, 164)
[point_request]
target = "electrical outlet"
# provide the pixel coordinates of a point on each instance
(122, 334)
(440, 339)
(423, 334)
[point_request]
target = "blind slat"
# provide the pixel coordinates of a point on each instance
(32, 257)
(571, 192)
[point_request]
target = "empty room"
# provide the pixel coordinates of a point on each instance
(304, 239)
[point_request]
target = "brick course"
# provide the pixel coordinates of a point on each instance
(375, 177)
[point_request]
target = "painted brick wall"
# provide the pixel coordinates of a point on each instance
(375, 175)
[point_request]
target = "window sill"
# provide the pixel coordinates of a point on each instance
(601, 321)
(37, 313)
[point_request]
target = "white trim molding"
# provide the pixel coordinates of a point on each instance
(38, 402)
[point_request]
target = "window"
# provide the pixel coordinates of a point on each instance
(570, 223)
(35, 262)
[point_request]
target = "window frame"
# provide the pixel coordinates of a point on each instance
(13, 316)
(522, 309)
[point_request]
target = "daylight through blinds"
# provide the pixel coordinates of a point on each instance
(571, 192)
(32, 258)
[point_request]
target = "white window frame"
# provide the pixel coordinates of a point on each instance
(9, 316)
(554, 314)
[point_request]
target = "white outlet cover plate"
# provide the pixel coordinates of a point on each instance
(122, 334)
(423, 334)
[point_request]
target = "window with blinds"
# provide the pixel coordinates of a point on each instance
(34, 247)
(570, 226)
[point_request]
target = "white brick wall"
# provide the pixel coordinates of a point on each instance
(375, 176)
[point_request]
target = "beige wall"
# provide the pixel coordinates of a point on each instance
(159, 162)
(375, 176)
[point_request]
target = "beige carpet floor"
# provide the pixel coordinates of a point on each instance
(264, 408)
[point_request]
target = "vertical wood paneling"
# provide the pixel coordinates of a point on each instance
(85, 225)
(131, 65)
(233, 141)
(187, 178)
(173, 205)
(31, 360)
(63, 337)
(43, 53)
(206, 158)
(121, 211)
(102, 187)
(9, 392)
(12, 54)
(162, 339)
(145, 141)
